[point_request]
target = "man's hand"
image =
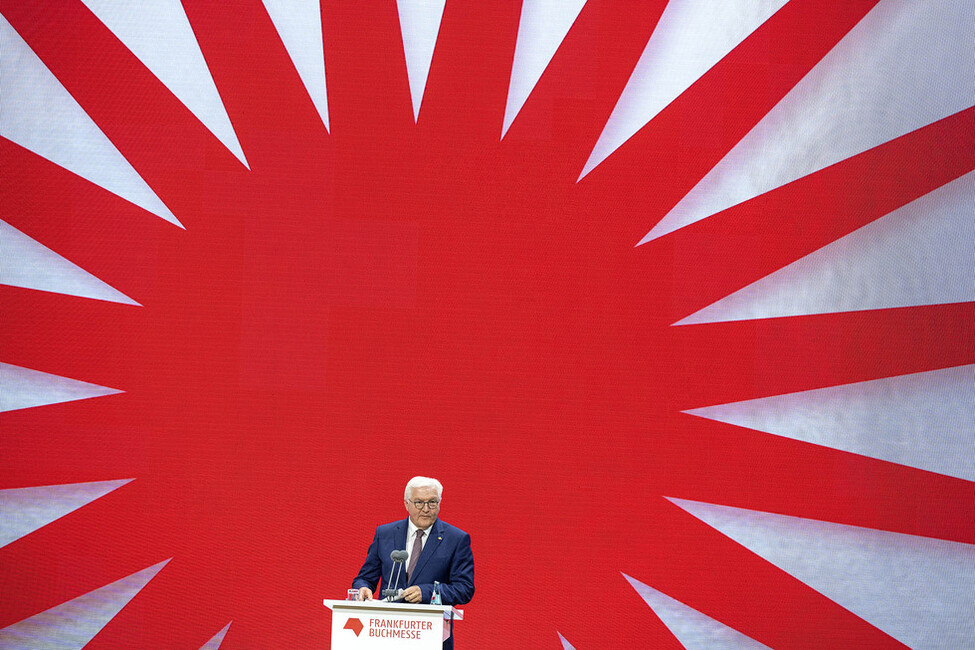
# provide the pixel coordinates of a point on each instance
(413, 594)
(365, 593)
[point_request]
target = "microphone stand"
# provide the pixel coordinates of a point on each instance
(392, 593)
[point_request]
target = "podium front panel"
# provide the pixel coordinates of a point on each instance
(374, 625)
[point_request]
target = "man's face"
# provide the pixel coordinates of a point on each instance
(426, 514)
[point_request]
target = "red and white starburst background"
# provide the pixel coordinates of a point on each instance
(264, 261)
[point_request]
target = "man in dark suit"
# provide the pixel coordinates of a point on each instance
(437, 552)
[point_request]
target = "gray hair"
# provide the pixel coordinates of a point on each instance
(422, 482)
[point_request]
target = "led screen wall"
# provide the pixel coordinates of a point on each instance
(675, 298)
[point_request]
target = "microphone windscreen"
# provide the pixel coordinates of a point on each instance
(399, 556)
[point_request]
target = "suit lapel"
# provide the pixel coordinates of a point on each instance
(402, 528)
(398, 539)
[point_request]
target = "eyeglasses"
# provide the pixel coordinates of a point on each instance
(433, 504)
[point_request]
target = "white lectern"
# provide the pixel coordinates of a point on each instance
(379, 625)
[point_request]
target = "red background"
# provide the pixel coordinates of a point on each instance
(390, 298)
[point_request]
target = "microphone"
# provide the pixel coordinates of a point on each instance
(391, 593)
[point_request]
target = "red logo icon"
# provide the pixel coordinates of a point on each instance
(353, 624)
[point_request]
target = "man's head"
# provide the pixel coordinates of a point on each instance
(422, 499)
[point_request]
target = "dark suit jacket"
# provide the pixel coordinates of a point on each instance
(446, 558)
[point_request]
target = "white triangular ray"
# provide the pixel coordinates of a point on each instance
(72, 625)
(903, 66)
(565, 644)
(691, 36)
(916, 589)
(299, 24)
(24, 510)
(420, 23)
(22, 388)
(542, 28)
(158, 33)
(26, 263)
(925, 420)
(39, 114)
(920, 254)
(693, 629)
(214, 643)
